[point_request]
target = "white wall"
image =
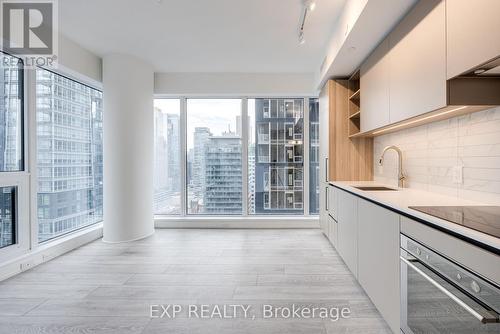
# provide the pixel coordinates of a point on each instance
(431, 151)
(231, 84)
(78, 61)
(128, 148)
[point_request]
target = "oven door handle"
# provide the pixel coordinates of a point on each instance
(484, 319)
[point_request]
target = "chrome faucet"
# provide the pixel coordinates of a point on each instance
(401, 175)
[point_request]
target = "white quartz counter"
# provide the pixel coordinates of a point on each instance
(402, 199)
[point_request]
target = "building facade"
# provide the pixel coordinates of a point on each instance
(223, 175)
(69, 154)
(167, 183)
(279, 163)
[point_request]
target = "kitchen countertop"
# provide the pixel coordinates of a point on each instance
(401, 200)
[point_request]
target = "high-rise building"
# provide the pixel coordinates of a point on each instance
(10, 118)
(314, 156)
(173, 152)
(198, 183)
(251, 178)
(223, 192)
(167, 163)
(69, 154)
(279, 180)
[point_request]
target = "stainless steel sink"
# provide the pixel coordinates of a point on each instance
(375, 188)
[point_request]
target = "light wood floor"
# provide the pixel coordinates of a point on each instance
(108, 288)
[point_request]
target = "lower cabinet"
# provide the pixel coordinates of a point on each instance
(332, 230)
(378, 259)
(366, 236)
(347, 238)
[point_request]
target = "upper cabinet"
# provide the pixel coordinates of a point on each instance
(473, 33)
(417, 60)
(375, 87)
(406, 80)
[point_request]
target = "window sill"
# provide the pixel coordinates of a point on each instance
(237, 222)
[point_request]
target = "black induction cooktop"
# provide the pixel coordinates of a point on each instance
(484, 219)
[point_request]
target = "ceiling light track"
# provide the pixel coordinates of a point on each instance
(307, 6)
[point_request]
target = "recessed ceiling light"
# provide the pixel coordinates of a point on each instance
(312, 6)
(479, 71)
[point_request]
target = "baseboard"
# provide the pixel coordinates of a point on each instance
(49, 251)
(237, 222)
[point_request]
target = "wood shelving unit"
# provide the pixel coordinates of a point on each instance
(354, 94)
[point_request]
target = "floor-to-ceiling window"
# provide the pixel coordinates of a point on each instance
(167, 165)
(11, 144)
(237, 156)
(69, 154)
(214, 158)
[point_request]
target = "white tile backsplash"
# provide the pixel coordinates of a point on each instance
(431, 151)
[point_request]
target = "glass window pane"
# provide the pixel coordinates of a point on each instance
(214, 174)
(69, 155)
(313, 156)
(7, 216)
(275, 156)
(11, 113)
(167, 176)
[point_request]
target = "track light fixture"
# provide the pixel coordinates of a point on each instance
(307, 6)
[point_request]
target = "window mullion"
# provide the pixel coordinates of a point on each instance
(183, 152)
(244, 154)
(306, 157)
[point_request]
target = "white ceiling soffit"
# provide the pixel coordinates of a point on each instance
(244, 36)
(362, 25)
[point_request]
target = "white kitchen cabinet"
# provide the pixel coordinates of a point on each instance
(417, 60)
(473, 32)
(332, 202)
(374, 83)
(323, 158)
(378, 259)
(347, 238)
(332, 231)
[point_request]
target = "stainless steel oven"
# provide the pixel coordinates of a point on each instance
(441, 296)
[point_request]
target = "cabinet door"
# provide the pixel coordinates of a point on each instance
(378, 259)
(347, 239)
(332, 202)
(323, 157)
(473, 33)
(418, 62)
(333, 230)
(374, 83)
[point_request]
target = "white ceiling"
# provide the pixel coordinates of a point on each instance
(258, 36)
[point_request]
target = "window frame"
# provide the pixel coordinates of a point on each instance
(30, 93)
(20, 179)
(244, 139)
(244, 150)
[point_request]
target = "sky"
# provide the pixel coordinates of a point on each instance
(216, 114)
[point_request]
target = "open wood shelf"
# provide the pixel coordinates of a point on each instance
(354, 113)
(355, 96)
